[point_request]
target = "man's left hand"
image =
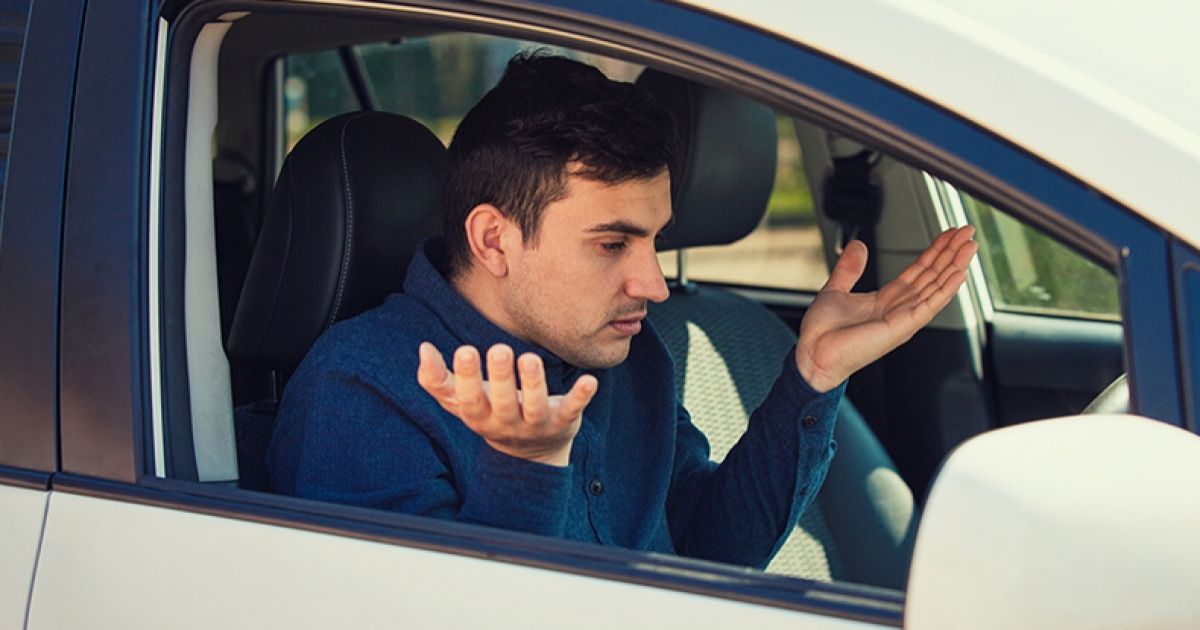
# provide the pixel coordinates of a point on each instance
(843, 332)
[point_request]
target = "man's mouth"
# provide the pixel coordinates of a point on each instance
(629, 325)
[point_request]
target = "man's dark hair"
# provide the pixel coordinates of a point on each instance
(513, 148)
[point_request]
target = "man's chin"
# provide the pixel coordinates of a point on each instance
(600, 356)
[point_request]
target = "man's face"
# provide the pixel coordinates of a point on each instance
(581, 291)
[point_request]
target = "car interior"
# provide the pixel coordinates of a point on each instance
(270, 244)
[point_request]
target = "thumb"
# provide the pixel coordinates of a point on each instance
(849, 268)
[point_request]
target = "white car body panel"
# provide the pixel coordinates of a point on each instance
(110, 564)
(1109, 94)
(24, 512)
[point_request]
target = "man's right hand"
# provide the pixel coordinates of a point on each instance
(525, 423)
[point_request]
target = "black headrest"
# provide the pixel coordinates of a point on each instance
(353, 199)
(726, 168)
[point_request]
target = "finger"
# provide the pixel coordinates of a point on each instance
(473, 404)
(926, 258)
(848, 268)
(958, 259)
(942, 296)
(534, 401)
(964, 234)
(432, 374)
(962, 258)
(931, 273)
(949, 240)
(574, 402)
(933, 287)
(927, 278)
(961, 238)
(502, 383)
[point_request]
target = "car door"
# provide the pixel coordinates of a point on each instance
(137, 537)
(133, 538)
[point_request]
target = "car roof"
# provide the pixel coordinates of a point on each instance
(1108, 92)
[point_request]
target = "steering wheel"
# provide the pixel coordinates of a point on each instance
(1114, 398)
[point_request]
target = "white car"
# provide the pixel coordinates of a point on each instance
(1028, 461)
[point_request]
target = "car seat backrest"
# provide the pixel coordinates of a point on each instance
(727, 348)
(726, 165)
(351, 202)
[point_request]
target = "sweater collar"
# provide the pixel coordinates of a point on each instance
(426, 284)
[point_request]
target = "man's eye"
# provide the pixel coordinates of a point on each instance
(614, 248)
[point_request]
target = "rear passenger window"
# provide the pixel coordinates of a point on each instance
(315, 88)
(435, 80)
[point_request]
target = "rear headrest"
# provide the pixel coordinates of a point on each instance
(726, 168)
(353, 199)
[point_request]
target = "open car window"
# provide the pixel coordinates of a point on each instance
(916, 414)
(436, 79)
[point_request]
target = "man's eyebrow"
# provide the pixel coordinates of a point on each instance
(625, 227)
(620, 227)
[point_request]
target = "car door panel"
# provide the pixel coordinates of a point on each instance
(110, 563)
(24, 510)
(1049, 366)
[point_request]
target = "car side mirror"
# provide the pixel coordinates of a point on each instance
(1080, 522)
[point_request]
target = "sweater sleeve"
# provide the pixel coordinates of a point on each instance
(341, 437)
(742, 510)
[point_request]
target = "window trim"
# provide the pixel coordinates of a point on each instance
(23, 478)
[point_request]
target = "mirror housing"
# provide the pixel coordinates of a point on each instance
(1080, 522)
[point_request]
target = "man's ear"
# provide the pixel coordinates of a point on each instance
(489, 234)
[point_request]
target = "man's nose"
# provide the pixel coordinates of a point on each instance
(646, 281)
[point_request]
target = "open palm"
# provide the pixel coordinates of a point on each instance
(842, 331)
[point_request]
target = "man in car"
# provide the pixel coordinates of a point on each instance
(568, 425)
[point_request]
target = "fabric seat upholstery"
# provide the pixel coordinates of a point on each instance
(727, 348)
(351, 202)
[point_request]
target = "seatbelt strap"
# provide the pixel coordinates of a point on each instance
(855, 203)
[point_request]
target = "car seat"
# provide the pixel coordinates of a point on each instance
(350, 204)
(727, 348)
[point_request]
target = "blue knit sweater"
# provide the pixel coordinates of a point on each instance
(354, 427)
